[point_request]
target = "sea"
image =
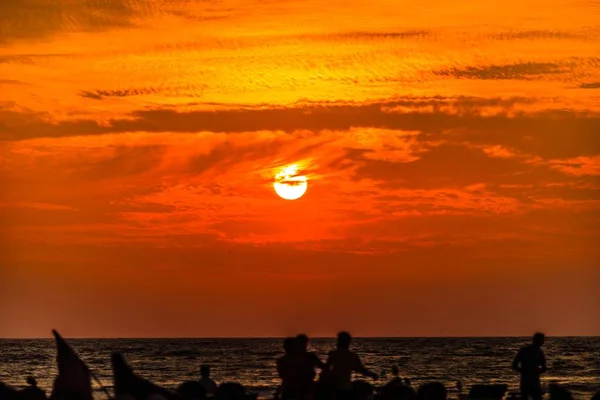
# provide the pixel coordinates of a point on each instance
(573, 361)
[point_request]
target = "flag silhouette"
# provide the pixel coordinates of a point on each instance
(73, 381)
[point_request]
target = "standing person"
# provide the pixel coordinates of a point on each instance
(308, 362)
(205, 380)
(287, 368)
(530, 362)
(340, 365)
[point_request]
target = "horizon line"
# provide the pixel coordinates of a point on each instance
(282, 337)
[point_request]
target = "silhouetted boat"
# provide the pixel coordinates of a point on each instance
(126, 382)
(74, 378)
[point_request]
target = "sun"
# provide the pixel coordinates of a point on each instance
(289, 185)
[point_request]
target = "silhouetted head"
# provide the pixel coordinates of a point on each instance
(156, 396)
(362, 390)
(596, 396)
(205, 371)
(401, 392)
(558, 392)
(343, 340)
(395, 370)
(302, 341)
(539, 339)
(231, 391)
(289, 345)
(432, 391)
(31, 381)
(192, 390)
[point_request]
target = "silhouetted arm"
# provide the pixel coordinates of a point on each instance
(543, 367)
(516, 362)
(361, 369)
(318, 363)
(329, 362)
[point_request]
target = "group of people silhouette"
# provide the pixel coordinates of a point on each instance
(297, 369)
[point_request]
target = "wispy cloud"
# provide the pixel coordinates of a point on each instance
(512, 71)
(592, 85)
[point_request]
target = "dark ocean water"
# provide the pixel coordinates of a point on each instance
(573, 362)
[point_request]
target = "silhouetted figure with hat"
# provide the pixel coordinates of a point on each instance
(530, 362)
(340, 365)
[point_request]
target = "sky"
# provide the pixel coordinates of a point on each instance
(451, 152)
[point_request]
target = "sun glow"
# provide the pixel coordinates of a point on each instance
(289, 185)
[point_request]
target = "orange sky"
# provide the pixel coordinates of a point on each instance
(452, 151)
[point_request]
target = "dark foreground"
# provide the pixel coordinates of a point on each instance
(573, 362)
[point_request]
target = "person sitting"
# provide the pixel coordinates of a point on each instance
(362, 390)
(558, 392)
(308, 362)
(390, 388)
(231, 391)
(432, 391)
(192, 390)
(210, 386)
(32, 392)
(340, 365)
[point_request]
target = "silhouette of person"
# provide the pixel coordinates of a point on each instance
(390, 388)
(362, 390)
(432, 391)
(192, 390)
(231, 391)
(209, 384)
(287, 367)
(32, 392)
(530, 362)
(307, 363)
(340, 364)
(558, 392)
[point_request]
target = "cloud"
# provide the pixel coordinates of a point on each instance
(408, 34)
(11, 82)
(167, 91)
(523, 71)
(31, 58)
(454, 165)
(548, 134)
(579, 166)
(592, 85)
(544, 35)
(53, 17)
(39, 206)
